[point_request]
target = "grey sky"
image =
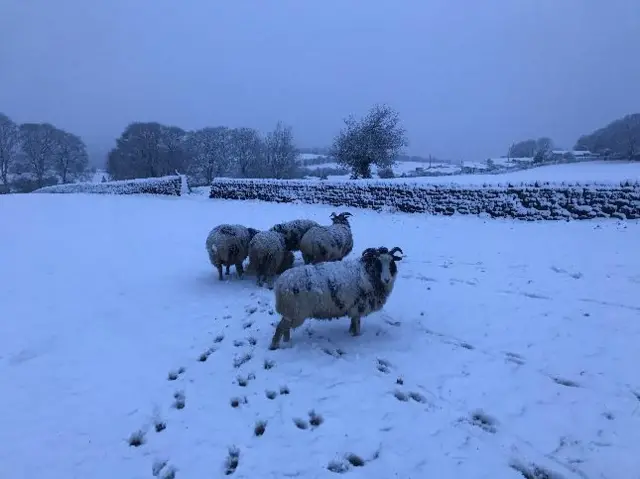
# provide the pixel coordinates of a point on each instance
(467, 76)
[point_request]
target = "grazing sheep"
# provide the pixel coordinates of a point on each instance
(293, 231)
(328, 243)
(228, 244)
(268, 256)
(352, 287)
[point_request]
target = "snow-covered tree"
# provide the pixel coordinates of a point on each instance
(9, 146)
(70, 156)
(210, 152)
(38, 144)
(377, 139)
(281, 153)
(247, 153)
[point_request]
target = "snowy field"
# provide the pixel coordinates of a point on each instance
(599, 171)
(588, 171)
(505, 347)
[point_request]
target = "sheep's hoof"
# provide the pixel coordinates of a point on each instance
(273, 347)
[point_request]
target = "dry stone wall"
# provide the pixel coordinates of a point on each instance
(538, 201)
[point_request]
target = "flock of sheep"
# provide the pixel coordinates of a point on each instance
(327, 286)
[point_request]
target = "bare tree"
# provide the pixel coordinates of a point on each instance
(70, 156)
(38, 141)
(9, 146)
(377, 139)
(281, 153)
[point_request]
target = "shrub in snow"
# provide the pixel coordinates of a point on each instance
(352, 287)
(228, 245)
(328, 243)
(542, 200)
(166, 185)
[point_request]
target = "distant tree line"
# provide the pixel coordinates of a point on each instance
(619, 139)
(33, 155)
(152, 149)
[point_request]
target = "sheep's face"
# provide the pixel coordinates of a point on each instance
(381, 265)
(342, 218)
(252, 232)
(291, 235)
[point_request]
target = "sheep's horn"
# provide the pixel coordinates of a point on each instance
(333, 215)
(346, 214)
(370, 252)
(395, 249)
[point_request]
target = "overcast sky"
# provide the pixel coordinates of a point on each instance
(468, 77)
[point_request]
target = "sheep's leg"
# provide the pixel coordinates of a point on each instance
(306, 258)
(227, 271)
(354, 328)
(219, 268)
(283, 329)
(239, 269)
(270, 281)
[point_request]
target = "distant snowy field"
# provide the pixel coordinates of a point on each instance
(588, 171)
(505, 345)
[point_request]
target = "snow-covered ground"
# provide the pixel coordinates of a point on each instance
(503, 343)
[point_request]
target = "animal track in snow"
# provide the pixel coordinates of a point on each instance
(237, 402)
(383, 365)
(174, 374)
(533, 471)
(405, 397)
(242, 359)
(514, 358)
(336, 353)
(179, 400)
(565, 382)
(232, 461)
(244, 381)
(483, 420)
(269, 364)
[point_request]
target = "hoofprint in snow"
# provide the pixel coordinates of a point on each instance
(505, 347)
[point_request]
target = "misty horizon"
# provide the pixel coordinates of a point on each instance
(467, 79)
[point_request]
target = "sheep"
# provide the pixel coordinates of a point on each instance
(352, 287)
(268, 256)
(228, 244)
(293, 231)
(328, 243)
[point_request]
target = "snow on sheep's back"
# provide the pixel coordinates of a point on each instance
(122, 354)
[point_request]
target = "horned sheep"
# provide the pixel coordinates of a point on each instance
(328, 243)
(269, 256)
(293, 231)
(228, 244)
(352, 287)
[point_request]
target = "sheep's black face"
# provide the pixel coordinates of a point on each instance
(380, 263)
(252, 232)
(342, 218)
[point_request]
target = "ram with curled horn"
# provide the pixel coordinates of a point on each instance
(353, 288)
